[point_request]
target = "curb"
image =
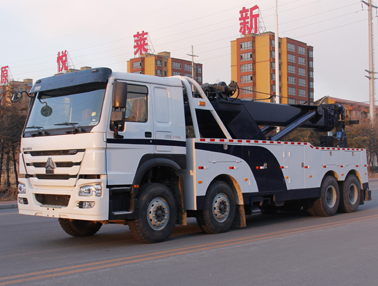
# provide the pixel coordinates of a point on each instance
(8, 206)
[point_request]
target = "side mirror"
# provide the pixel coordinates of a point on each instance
(117, 120)
(119, 95)
(16, 97)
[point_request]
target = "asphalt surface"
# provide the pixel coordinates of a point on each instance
(282, 249)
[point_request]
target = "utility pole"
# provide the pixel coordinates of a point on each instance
(192, 55)
(371, 62)
(277, 57)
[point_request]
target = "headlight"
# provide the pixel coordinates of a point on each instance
(21, 189)
(91, 191)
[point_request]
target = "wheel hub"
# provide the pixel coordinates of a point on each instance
(352, 194)
(158, 213)
(330, 196)
(221, 207)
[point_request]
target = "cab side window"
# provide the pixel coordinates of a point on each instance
(136, 105)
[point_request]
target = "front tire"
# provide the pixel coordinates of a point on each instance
(156, 214)
(79, 228)
(350, 195)
(219, 209)
(329, 200)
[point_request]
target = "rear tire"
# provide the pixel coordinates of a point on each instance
(350, 195)
(329, 200)
(79, 228)
(219, 209)
(156, 214)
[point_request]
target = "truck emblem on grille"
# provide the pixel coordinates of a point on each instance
(50, 166)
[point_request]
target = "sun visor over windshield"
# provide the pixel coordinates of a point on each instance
(72, 79)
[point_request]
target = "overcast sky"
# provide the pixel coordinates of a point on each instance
(100, 34)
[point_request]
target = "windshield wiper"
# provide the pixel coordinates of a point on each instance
(41, 130)
(76, 127)
(35, 127)
(67, 123)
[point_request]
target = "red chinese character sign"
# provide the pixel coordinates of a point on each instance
(248, 20)
(140, 43)
(4, 75)
(62, 61)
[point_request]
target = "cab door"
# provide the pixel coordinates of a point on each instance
(135, 141)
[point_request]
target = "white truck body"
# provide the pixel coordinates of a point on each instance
(55, 166)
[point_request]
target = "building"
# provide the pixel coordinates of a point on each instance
(163, 65)
(253, 68)
(13, 86)
(354, 110)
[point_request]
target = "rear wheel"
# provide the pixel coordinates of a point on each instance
(79, 228)
(156, 214)
(350, 195)
(328, 203)
(219, 209)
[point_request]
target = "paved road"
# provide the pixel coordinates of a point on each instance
(283, 249)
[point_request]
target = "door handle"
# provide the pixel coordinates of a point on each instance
(148, 134)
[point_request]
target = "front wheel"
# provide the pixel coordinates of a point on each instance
(79, 228)
(328, 203)
(219, 208)
(350, 195)
(156, 214)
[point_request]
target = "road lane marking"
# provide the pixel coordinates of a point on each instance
(167, 253)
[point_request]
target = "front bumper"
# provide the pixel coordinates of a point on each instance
(68, 202)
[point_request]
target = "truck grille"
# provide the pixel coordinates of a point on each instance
(53, 200)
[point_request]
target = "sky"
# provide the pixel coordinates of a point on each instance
(100, 34)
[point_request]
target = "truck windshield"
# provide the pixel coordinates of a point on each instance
(77, 106)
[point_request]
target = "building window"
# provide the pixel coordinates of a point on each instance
(158, 72)
(301, 50)
(273, 42)
(311, 84)
(158, 63)
(291, 101)
(246, 90)
(302, 101)
(290, 47)
(199, 78)
(273, 54)
(188, 74)
(302, 82)
(291, 58)
(291, 80)
(165, 73)
(302, 92)
(246, 45)
(273, 75)
(246, 56)
(302, 71)
(188, 67)
(273, 65)
(246, 78)
(291, 69)
(310, 54)
(137, 72)
(358, 114)
(311, 74)
(312, 94)
(292, 91)
(176, 66)
(199, 70)
(165, 64)
(246, 68)
(176, 73)
(137, 65)
(310, 64)
(301, 61)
